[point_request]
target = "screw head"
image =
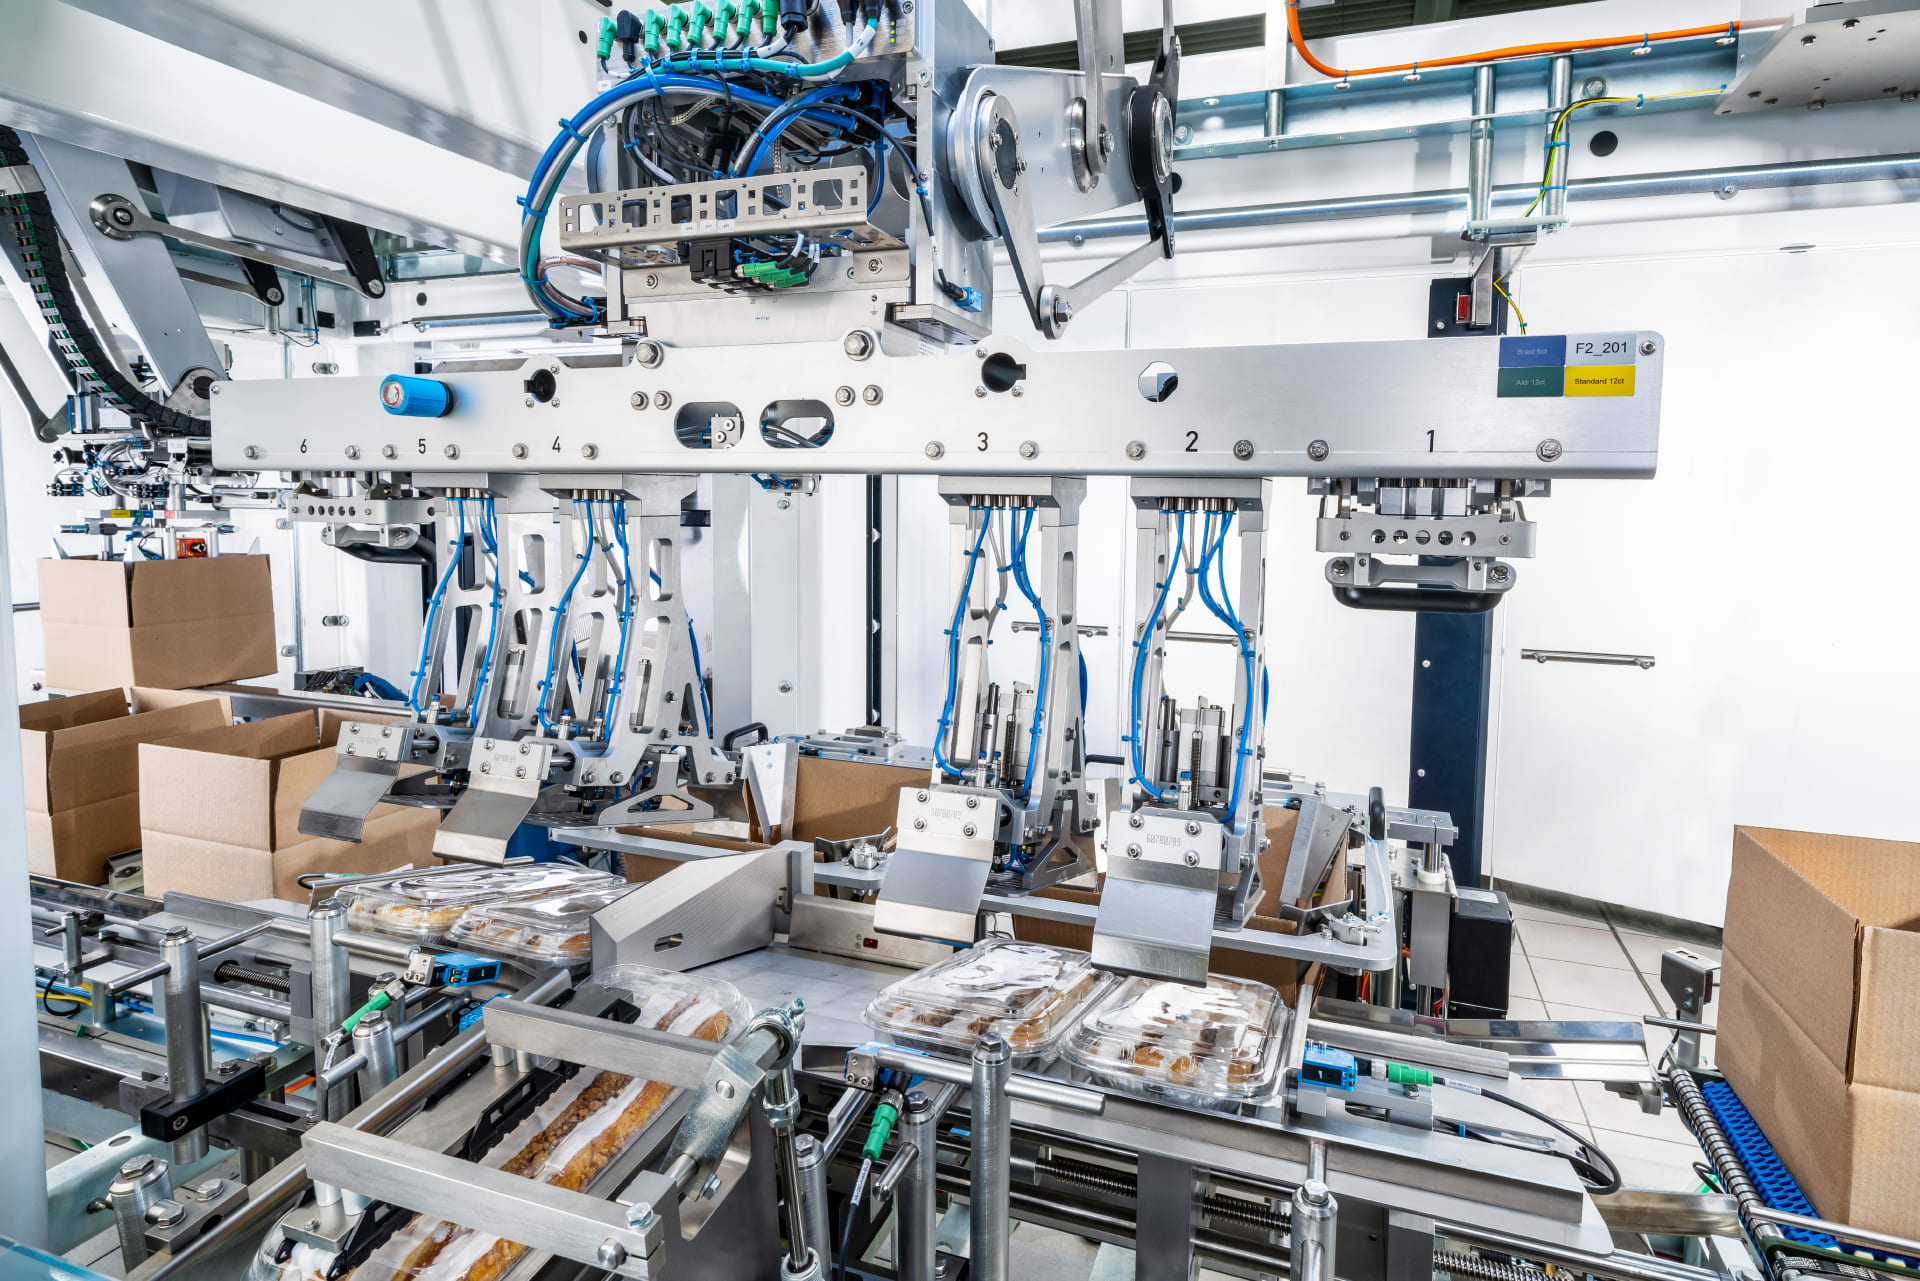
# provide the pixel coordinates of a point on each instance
(529, 402)
(639, 400)
(1549, 449)
(589, 451)
(1318, 450)
(967, 830)
(662, 400)
(519, 451)
(649, 354)
(1193, 828)
(919, 824)
(1647, 349)
(858, 343)
(252, 451)
(871, 395)
(1136, 822)
(1499, 573)
(1028, 449)
(1136, 450)
(1193, 859)
(935, 449)
(711, 1187)
(1133, 851)
(389, 451)
(451, 451)
(843, 396)
(352, 452)
(921, 797)
(611, 1254)
(640, 1215)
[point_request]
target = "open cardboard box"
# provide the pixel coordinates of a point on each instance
(164, 624)
(1820, 1015)
(220, 812)
(80, 757)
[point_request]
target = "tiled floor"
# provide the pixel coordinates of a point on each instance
(1577, 967)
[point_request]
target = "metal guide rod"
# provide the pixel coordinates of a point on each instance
(1032, 1089)
(915, 1250)
(990, 1136)
(1559, 98)
(1480, 154)
(186, 1034)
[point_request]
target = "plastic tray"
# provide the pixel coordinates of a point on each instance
(1027, 993)
(425, 908)
(1201, 1045)
(553, 930)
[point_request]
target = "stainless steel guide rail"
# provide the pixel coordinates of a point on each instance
(1325, 410)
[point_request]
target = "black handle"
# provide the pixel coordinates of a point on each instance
(734, 736)
(1376, 814)
(1416, 600)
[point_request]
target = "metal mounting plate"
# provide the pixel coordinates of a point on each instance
(830, 204)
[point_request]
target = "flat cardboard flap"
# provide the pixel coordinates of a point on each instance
(1876, 880)
(148, 699)
(67, 713)
(262, 740)
(838, 800)
(89, 763)
(84, 590)
(1886, 1039)
(1797, 942)
(173, 591)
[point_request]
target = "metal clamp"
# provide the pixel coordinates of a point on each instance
(1641, 661)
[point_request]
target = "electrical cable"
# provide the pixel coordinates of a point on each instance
(1722, 31)
(561, 621)
(1556, 143)
(1020, 578)
(1601, 1174)
(1140, 655)
(46, 1003)
(1222, 609)
(627, 598)
(490, 544)
(1499, 287)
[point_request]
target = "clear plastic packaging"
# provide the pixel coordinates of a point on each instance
(572, 1136)
(1027, 993)
(1200, 1045)
(424, 908)
(553, 930)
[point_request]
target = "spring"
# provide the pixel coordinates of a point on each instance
(1472, 1265)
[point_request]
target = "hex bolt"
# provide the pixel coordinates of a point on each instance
(858, 343)
(843, 396)
(1499, 573)
(871, 394)
(649, 354)
(1136, 450)
(640, 1216)
(1029, 449)
(639, 400)
(1318, 450)
(519, 451)
(1548, 450)
(662, 400)
(1340, 568)
(352, 452)
(451, 451)
(589, 451)
(935, 449)
(389, 451)
(1133, 851)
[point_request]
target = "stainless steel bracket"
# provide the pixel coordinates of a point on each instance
(503, 782)
(367, 763)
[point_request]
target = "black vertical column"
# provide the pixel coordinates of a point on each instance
(1453, 669)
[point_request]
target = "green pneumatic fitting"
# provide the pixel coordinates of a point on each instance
(676, 27)
(604, 49)
(702, 21)
(884, 1115)
(769, 17)
(656, 26)
(1401, 1074)
(729, 13)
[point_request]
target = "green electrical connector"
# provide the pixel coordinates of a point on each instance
(769, 18)
(380, 1001)
(604, 49)
(885, 1113)
(1401, 1074)
(702, 21)
(676, 28)
(656, 26)
(724, 20)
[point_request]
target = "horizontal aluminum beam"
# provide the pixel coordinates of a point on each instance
(1413, 408)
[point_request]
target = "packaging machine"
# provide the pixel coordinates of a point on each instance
(833, 314)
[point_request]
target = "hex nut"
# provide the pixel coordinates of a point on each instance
(843, 396)
(1549, 449)
(662, 400)
(519, 451)
(389, 451)
(451, 451)
(639, 400)
(871, 395)
(589, 452)
(935, 449)
(1028, 449)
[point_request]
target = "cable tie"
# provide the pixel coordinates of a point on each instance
(1641, 103)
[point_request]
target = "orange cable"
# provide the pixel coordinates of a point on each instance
(1493, 55)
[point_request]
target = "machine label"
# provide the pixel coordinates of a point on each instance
(1600, 349)
(1545, 381)
(1600, 380)
(1525, 352)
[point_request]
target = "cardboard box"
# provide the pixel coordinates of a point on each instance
(167, 624)
(1820, 1015)
(220, 812)
(80, 758)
